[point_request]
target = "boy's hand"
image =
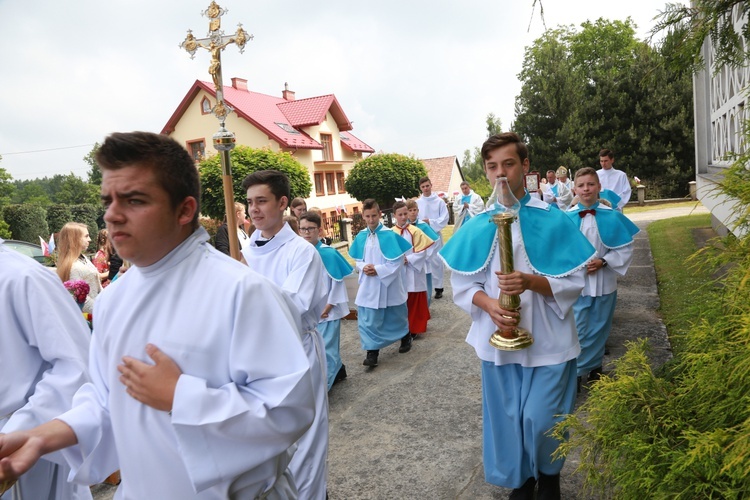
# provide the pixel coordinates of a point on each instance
(369, 270)
(152, 385)
(514, 283)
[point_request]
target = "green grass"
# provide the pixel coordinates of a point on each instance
(672, 243)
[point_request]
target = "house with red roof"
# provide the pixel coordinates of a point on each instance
(315, 130)
(445, 174)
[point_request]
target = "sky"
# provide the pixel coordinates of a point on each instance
(414, 77)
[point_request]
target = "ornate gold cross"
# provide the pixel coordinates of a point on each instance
(215, 43)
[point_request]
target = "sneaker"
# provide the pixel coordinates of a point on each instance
(371, 359)
(405, 344)
(341, 375)
(438, 293)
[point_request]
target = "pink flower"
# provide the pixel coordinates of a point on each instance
(78, 289)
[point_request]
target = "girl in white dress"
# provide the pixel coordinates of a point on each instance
(72, 264)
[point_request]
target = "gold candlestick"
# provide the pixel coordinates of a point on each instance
(504, 203)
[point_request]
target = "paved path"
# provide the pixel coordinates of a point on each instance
(411, 428)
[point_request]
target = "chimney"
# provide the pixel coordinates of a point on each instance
(239, 83)
(288, 95)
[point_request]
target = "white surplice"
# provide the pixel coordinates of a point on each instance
(243, 399)
(549, 319)
(460, 212)
(387, 288)
(434, 208)
(415, 267)
(44, 345)
(617, 181)
(295, 265)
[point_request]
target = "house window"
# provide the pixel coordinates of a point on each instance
(327, 141)
(340, 182)
(330, 183)
(319, 190)
(356, 210)
(205, 106)
(197, 149)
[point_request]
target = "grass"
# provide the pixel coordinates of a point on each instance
(672, 243)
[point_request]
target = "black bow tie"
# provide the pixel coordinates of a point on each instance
(583, 213)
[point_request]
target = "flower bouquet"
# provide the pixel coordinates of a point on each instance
(78, 289)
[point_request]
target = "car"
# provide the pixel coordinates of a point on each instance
(28, 249)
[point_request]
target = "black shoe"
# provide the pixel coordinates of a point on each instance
(525, 492)
(595, 374)
(341, 375)
(438, 293)
(371, 359)
(549, 487)
(606, 350)
(405, 344)
(578, 384)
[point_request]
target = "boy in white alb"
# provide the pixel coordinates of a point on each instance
(278, 253)
(611, 233)
(44, 348)
(433, 211)
(337, 302)
(382, 316)
(524, 392)
(415, 267)
(613, 179)
(200, 384)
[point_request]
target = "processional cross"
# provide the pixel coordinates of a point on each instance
(223, 140)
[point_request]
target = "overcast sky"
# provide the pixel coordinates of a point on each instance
(414, 76)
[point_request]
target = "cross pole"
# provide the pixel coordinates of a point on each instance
(223, 140)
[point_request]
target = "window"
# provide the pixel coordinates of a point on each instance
(327, 141)
(319, 190)
(340, 182)
(205, 106)
(330, 183)
(197, 149)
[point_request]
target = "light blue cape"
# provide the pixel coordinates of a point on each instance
(336, 265)
(615, 229)
(392, 246)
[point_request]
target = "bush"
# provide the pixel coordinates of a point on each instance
(211, 226)
(4, 230)
(245, 161)
(385, 177)
(27, 222)
(87, 214)
(58, 216)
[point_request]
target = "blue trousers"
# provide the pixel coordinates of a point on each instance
(593, 322)
(331, 333)
(519, 406)
(379, 328)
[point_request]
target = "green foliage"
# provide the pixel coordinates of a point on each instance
(690, 25)
(211, 226)
(58, 216)
(73, 190)
(87, 214)
(385, 177)
(245, 161)
(5, 230)
(683, 431)
(95, 173)
(6, 187)
(26, 222)
(473, 164)
(583, 90)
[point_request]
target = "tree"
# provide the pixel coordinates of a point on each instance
(598, 87)
(7, 189)
(246, 160)
(385, 177)
(73, 191)
(473, 164)
(95, 173)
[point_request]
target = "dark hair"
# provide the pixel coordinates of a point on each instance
(586, 171)
(276, 181)
(397, 205)
(607, 152)
(499, 140)
(297, 202)
(422, 180)
(171, 164)
(369, 204)
(311, 217)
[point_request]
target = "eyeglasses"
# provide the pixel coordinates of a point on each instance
(307, 229)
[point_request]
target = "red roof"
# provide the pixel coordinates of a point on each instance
(278, 118)
(440, 171)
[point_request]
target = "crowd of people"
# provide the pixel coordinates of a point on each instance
(187, 377)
